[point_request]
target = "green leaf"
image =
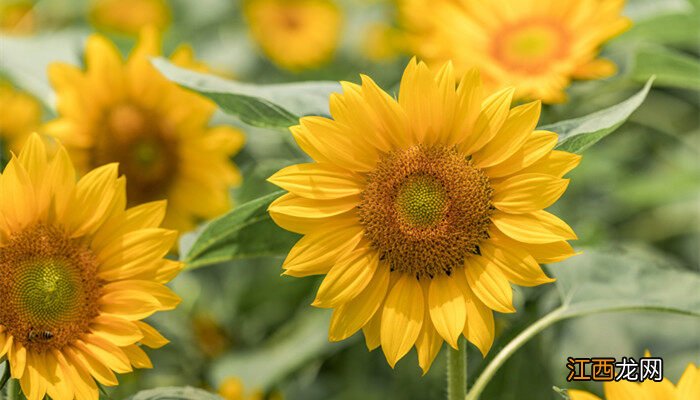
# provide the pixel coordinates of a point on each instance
(671, 29)
(293, 347)
(578, 134)
(276, 106)
(672, 68)
(604, 281)
(245, 232)
(624, 278)
(174, 393)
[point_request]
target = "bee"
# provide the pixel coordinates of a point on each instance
(39, 336)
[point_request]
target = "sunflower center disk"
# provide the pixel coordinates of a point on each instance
(530, 46)
(145, 148)
(421, 201)
(48, 288)
(426, 210)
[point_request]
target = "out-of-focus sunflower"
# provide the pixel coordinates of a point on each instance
(382, 42)
(422, 211)
(295, 34)
(688, 389)
(537, 46)
(78, 273)
(20, 115)
(17, 17)
(129, 16)
(233, 389)
(129, 113)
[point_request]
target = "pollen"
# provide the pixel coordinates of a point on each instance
(425, 210)
(49, 288)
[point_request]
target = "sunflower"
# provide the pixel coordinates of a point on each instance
(295, 34)
(688, 389)
(537, 46)
(157, 132)
(20, 115)
(78, 273)
(422, 211)
(129, 16)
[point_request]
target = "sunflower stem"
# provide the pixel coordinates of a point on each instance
(457, 371)
(12, 392)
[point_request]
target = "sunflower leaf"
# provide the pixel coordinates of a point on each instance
(578, 134)
(276, 106)
(671, 68)
(245, 232)
(174, 393)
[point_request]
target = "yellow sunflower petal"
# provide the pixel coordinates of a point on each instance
(480, 328)
(161, 293)
(624, 390)
(448, 310)
(137, 357)
(429, 341)
(108, 354)
(94, 366)
(301, 215)
(17, 355)
(356, 313)
(515, 131)
(94, 195)
(318, 251)
(556, 163)
(515, 262)
(151, 337)
(581, 395)
(347, 278)
(689, 385)
(527, 192)
(536, 227)
(489, 283)
(539, 145)
(318, 181)
(493, 114)
(402, 318)
(372, 330)
(549, 252)
(469, 98)
(118, 331)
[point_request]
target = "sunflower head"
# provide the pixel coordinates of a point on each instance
(537, 47)
(129, 16)
(423, 211)
(295, 34)
(78, 273)
(127, 112)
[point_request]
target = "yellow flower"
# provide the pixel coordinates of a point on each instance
(129, 16)
(232, 389)
(381, 42)
(78, 273)
(688, 389)
(20, 115)
(537, 46)
(295, 34)
(422, 211)
(17, 17)
(129, 113)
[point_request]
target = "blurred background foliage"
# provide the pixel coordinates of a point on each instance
(635, 194)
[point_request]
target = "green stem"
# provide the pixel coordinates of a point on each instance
(511, 348)
(457, 371)
(12, 392)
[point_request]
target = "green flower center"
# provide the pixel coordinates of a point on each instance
(46, 290)
(421, 200)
